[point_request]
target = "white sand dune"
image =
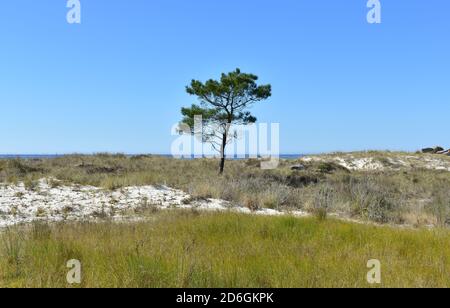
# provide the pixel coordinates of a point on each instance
(46, 203)
(361, 162)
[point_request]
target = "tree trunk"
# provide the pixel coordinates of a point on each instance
(222, 153)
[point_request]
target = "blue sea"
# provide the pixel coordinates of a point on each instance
(49, 156)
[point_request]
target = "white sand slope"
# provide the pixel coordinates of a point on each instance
(47, 203)
(361, 162)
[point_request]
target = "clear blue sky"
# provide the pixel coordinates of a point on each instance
(116, 82)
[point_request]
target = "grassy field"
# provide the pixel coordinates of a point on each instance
(191, 249)
(415, 196)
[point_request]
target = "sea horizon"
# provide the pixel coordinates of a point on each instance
(49, 156)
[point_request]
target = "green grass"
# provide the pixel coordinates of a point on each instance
(191, 249)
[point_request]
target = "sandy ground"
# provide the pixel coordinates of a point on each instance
(68, 203)
(361, 163)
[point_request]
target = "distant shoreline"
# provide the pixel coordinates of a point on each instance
(50, 156)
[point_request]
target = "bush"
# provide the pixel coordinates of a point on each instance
(302, 180)
(323, 202)
(330, 167)
(21, 168)
(440, 206)
(372, 200)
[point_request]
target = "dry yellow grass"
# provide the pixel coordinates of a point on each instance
(189, 249)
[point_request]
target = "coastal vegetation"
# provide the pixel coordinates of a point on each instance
(197, 249)
(381, 187)
(356, 201)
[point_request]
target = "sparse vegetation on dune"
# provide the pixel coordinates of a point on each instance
(397, 193)
(192, 249)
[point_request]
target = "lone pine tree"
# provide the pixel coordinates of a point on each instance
(223, 103)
